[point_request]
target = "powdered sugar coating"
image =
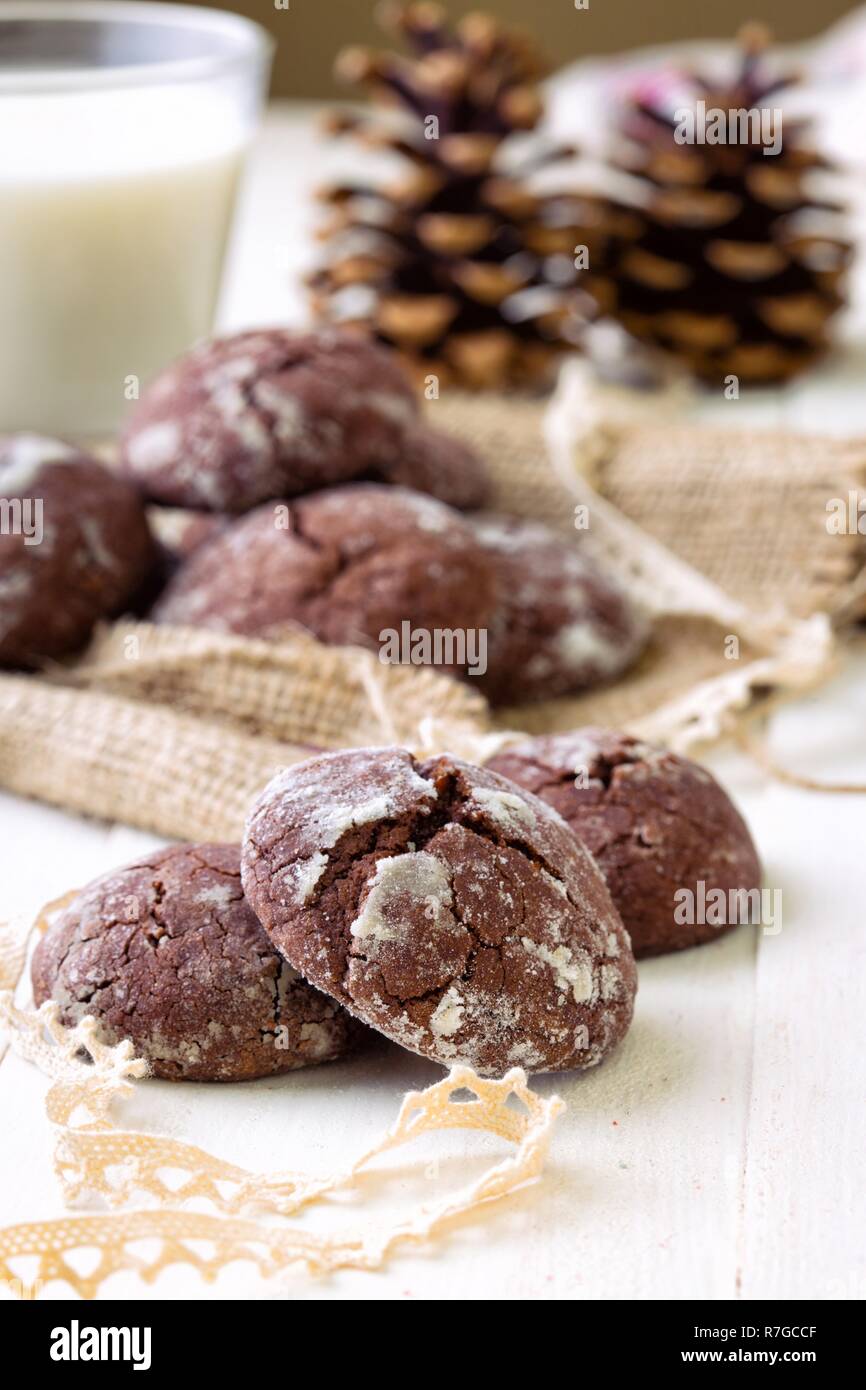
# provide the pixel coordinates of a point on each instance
(401, 880)
(298, 812)
(345, 564)
(572, 969)
(655, 822)
(467, 923)
(267, 413)
(563, 625)
(23, 456)
(167, 952)
(510, 811)
(78, 551)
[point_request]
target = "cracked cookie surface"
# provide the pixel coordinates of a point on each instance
(655, 822)
(267, 413)
(442, 905)
(79, 551)
(345, 564)
(563, 624)
(167, 953)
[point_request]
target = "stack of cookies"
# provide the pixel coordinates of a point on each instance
(293, 485)
(468, 916)
(352, 525)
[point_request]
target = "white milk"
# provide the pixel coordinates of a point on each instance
(114, 211)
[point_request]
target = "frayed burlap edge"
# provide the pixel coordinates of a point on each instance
(176, 731)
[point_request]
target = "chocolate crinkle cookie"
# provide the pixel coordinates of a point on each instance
(444, 906)
(563, 624)
(347, 565)
(432, 461)
(267, 413)
(167, 953)
(75, 547)
(657, 824)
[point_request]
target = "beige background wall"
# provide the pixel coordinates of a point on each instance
(310, 31)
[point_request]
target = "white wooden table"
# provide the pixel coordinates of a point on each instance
(719, 1153)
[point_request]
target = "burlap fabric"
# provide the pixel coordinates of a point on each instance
(175, 730)
(721, 534)
(746, 508)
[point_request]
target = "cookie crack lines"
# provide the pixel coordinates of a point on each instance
(437, 992)
(267, 419)
(444, 906)
(203, 866)
(662, 827)
(348, 563)
(267, 414)
(216, 1003)
(452, 807)
(160, 930)
(338, 561)
(274, 1031)
(474, 819)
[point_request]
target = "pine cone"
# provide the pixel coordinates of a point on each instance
(725, 272)
(460, 264)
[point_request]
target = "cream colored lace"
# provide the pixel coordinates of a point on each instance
(97, 1161)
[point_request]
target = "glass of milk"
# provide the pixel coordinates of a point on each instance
(123, 128)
